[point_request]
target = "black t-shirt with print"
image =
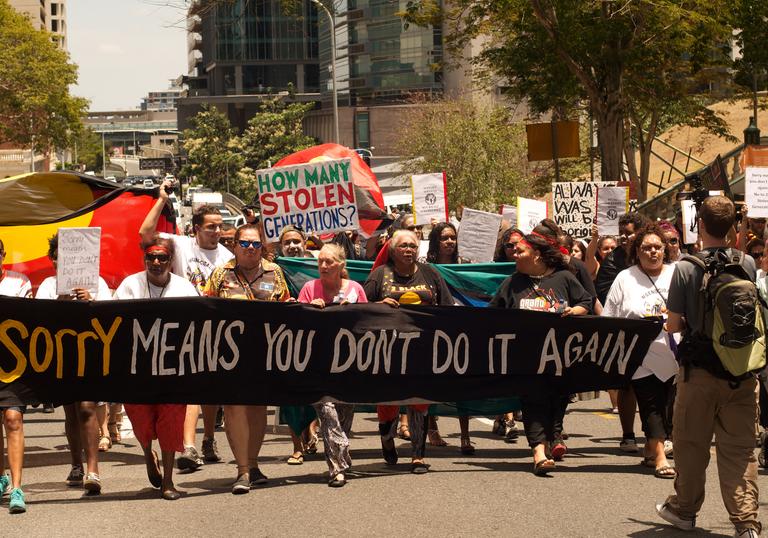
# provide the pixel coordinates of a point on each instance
(424, 287)
(552, 293)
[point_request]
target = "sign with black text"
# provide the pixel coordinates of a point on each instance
(317, 197)
(78, 257)
(430, 198)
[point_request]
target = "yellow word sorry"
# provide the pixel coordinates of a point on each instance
(52, 343)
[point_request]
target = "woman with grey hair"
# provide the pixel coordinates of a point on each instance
(403, 280)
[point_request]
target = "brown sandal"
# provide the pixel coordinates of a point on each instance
(114, 432)
(403, 432)
(435, 439)
(105, 443)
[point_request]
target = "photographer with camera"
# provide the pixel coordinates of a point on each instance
(717, 387)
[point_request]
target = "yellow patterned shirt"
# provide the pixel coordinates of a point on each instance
(229, 282)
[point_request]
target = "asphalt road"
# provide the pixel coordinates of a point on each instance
(597, 491)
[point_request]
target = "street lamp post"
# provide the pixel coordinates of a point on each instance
(103, 158)
(332, 23)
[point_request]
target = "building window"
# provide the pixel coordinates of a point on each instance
(362, 130)
(54, 9)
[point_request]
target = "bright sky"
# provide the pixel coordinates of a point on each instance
(125, 49)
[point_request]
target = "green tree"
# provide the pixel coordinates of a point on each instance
(273, 133)
(637, 65)
(751, 21)
(36, 108)
(482, 153)
(213, 151)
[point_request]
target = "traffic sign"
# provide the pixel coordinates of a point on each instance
(162, 163)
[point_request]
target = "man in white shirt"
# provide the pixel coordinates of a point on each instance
(195, 259)
(81, 423)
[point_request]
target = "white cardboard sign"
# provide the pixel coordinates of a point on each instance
(530, 213)
(756, 191)
(690, 224)
(78, 259)
(509, 212)
(430, 199)
(478, 234)
(611, 203)
(573, 206)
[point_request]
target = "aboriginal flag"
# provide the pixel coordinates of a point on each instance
(36, 205)
(370, 201)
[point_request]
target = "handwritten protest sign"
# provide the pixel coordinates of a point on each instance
(612, 203)
(77, 263)
(690, 224)
(756, 191)
(430, 199)
(318, 197)
(477, 235)
(509, 212)
(573, 206)
(530, 213)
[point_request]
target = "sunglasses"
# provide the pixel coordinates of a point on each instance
(245, 244)
(510, 245)
(161, 258)
(413, 228)
(756, 255)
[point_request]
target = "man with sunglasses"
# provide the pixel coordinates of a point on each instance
(165, 422)
(195, 259)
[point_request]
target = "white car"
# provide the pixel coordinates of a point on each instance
(149, 184)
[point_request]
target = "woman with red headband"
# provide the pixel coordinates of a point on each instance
(544, 283)
(164, 422)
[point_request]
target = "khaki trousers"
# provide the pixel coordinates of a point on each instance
(706, 405)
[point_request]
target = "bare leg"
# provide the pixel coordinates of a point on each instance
(298, 445)
(101, 417)
(90, 434)
(190, 424)
(168, 470)
(209, 420)
(14, 428)
(238, 435)
(257, 422)
(72, 431)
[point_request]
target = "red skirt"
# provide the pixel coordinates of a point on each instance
(164, 422)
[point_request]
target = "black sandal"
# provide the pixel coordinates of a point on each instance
(419, 468)
(466, 447)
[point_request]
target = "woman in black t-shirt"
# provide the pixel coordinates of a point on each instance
(403, 280)
(544, 283)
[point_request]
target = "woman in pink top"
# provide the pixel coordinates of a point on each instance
(333, 287)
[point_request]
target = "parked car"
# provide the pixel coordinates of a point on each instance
(149, 184)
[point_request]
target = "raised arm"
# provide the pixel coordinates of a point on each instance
(149, 226)
(590, 258)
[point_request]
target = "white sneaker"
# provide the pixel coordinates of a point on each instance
(746, 533)
(673, 519)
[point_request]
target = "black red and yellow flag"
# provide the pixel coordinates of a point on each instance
(34, 206)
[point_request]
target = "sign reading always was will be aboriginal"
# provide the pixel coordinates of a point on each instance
(317, 197)
(224, 351)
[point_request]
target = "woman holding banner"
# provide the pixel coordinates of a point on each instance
(403, 280)
(334, 287)
(640, 291)
(543, 282)
(250, 277)
(164, 422)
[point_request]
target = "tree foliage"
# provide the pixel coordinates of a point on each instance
(636, 65)
(219, 158)
(482, 153)
(36, 108)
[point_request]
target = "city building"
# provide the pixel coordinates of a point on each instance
(163, 100)
(50, 15)
(243, 50)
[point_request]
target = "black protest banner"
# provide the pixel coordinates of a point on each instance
(219, 351)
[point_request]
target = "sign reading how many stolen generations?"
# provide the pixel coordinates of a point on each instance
(317, 197)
